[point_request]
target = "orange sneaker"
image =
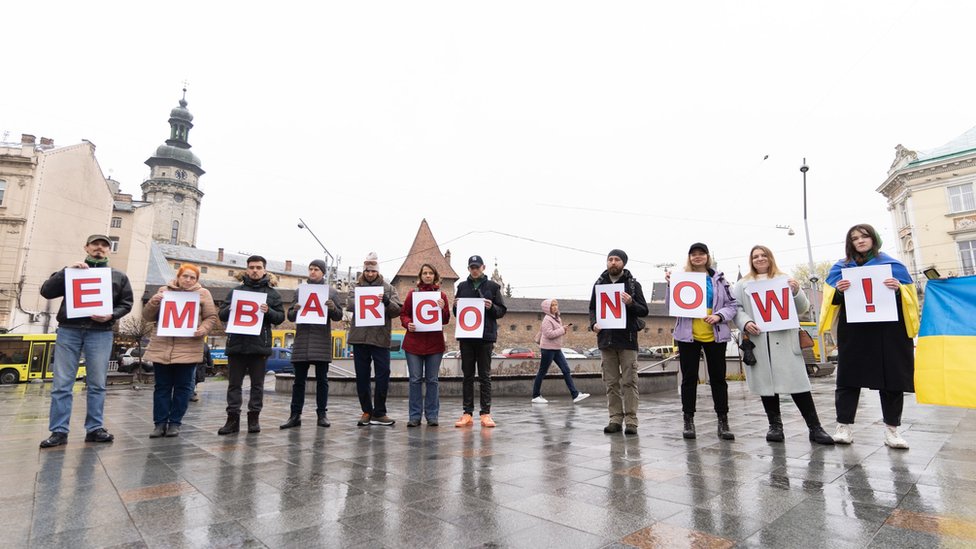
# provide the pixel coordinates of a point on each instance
(486, 420)
(465, 421)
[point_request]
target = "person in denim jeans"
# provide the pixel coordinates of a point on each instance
(551, 342)
(91, 335)
(425, 349)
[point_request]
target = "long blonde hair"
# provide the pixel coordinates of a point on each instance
(773, 268)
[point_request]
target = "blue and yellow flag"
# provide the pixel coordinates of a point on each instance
(945, 359)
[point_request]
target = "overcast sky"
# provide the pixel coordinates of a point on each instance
(588, 125)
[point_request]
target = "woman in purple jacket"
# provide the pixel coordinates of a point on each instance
(709, 334)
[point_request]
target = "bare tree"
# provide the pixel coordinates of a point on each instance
(801, 272)
(135, 327)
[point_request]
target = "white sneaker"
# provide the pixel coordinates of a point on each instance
(893, 440)
(539, 400)
(844, 434)
(581, 396)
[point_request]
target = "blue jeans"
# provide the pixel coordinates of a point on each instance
(174, 386)
(424, 369)
(321, 386)
(548, 355)
(97, 346)
(363, 355)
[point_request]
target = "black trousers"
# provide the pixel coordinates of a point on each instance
(715, 362)
(321, 386)
(476, 354)
(253, 366)
(846, 398)
(803, 401)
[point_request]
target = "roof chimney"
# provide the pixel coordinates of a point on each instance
(47, 142)
(220, 255)
(447, 256)
(27, 139)
(288, 267)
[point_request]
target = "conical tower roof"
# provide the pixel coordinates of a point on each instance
(426, 250)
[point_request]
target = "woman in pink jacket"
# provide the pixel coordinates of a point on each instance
(551, 341)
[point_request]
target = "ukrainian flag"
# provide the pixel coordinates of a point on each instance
(945, 367)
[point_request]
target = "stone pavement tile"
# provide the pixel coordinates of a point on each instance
(663, 535)
(157, 524)
(78, 512)
(305, 516)
(320, 535)
(256, 505)
(494, 523)
(816, 527)
(404, 527)
(224, 534)
(637, 503)
(157, 491)
(892, 537)
(952, 469)
(940, 500)
(844, 492)
(764, 503)
(92, 536)
(716, 523)
(933, 524)
(544, 536)
(581, 515)
(451, 506)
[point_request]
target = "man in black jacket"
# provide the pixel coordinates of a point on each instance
(477, 352)
(94, 336)
(313, 345)
(248, 354)
(619, 346)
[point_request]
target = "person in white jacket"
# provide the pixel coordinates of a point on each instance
(551, 342)
(779, 366)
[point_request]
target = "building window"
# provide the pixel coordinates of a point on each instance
(967, 252)
(904, 214)
(3, 190)
(230, 273)
(175, 235)
(176, 266)
(575, 327)
(203, 270)
(528, 327)
(513, 327)
(115, 243)
(660, 331)
(116, 222)
(961, 198)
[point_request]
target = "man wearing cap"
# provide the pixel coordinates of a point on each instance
(313, 345)
(476, 353)
(371, 344)
(91, 335)
(618, 347)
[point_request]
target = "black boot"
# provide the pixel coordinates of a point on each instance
(233, 425)
(252, 422)
(294, 420)
(804, 401)
(689, 431)
(723, 428)
(775, 432)
(818, 435)
(324, 420)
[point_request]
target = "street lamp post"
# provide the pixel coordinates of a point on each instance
(329, 271)
(813, 273)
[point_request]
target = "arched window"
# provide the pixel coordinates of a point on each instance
(175, 235)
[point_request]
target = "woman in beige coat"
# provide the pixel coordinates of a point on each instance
(176, 358)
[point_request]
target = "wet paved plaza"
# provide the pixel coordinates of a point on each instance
(547, 476)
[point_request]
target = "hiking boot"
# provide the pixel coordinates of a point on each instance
(382, 420)
(253, 426)
(172, 430)
(233, 425)
(432, 422)
(294, 420)
(775, 432)
(465, 421)
(630, 429)
(723, 428)
(364, 420)
(56, 439)
(413, 423)
(689, 428)
(893, 440)
(323, 420)
(101, 435)
(613, 428)
(818, 435)
(843, 434)
(581, 397)
(159, 431)
(539, 400)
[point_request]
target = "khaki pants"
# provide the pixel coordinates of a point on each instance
(620, 376)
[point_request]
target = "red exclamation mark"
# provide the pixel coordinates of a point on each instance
(868, 297)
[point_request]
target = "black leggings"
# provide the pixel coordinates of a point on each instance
(715, 361)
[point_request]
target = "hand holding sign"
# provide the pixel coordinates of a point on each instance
(470, 318)
(611, 310)
(772, 305)
(426, 312)
(687, 295)
(370, 310)
(246, 316)
(869, 298)
(88, 292)
(178, 314)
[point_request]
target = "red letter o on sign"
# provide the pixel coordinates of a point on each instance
(699, 295)
(464, 315)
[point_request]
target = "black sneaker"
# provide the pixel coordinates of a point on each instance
(613, 428)
(413, 423)
(630, 430)
(56, 439)
(99, 435)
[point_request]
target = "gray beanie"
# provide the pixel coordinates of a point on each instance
(317, 263)
(619, 253)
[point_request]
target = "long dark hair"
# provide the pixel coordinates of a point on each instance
(852, 254)
(437, 275)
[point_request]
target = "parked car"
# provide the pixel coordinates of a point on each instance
(572, 353)
(132, 359)
(280, 361)
(518, 352)
(452, 354)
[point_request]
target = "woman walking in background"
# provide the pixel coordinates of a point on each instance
(551, 342)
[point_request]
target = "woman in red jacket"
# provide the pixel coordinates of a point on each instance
(424, 349)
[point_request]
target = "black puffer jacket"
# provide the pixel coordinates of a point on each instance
(487, 290)
(621, 338)
(121, 301)
(313, 342)
(238, 344)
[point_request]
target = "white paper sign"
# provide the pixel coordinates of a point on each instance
(246, 317)
(611, 312)
(369, 307)
(179, 314)
(688, 292)
(773, 307)
(87, 292)
(470, 318)
(868, 299)
(426, 314)
(311, 299)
